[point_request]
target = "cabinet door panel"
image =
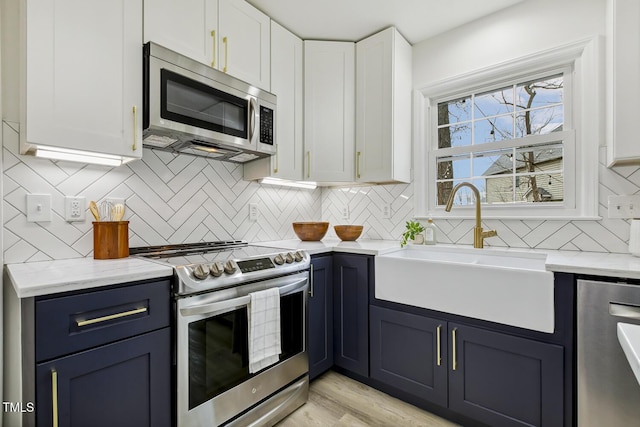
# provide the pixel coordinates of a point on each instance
(122, 384)
(184, 26)
(351, 313)
(329, 115)
(81, 90)
(246, 52)
(405, 353)
(504, 380)
(321, 317)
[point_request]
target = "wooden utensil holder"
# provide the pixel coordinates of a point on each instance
(110, 239)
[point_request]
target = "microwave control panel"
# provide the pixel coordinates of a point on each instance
(266, 125)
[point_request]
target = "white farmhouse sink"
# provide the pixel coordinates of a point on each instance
(508, 287)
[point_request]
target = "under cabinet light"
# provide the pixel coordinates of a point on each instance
(309, 185)
(55, 153)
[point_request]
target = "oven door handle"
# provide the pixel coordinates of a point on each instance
(219, 306)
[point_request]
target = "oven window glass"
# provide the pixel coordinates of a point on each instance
(218, 348)
(190, 102)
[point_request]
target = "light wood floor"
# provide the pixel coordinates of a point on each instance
(335, 400)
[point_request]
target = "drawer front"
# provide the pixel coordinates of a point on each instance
(68, 324)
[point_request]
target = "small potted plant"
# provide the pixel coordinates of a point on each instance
(414, 232)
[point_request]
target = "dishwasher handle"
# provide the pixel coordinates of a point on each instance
(624, 310)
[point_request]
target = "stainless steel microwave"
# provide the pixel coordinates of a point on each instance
(192, 108)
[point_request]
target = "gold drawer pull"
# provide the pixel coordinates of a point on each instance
(225, 41)
(213, 61)
(453, 338)
(110, 317)
(134, 146)
(54, 396)
(439, 329)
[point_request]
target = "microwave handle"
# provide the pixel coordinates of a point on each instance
(221, 306)
(253, 107)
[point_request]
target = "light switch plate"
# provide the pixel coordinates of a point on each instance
(38, 207)
(624, 207)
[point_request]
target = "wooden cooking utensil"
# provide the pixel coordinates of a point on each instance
(117, 212)
(93, 207)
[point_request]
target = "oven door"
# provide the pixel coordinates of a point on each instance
(213, 379)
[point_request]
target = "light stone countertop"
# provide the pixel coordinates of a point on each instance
(629, 337)
(48, 277)
(31, 279)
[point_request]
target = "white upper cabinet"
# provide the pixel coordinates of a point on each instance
(244, 43)
(229, 35)
(83, 85)
(329, 121)
(383, 108)
(623, 84)
(286, 84)
(185, 26)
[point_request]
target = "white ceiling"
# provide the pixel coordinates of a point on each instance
(353, 20)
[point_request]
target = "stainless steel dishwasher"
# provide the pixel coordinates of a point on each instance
(608, 392)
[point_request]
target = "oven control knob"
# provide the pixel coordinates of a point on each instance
(298, 256)
(288, 257)
(201, 271)
(229, 267)
(216, 269)
(278, 259)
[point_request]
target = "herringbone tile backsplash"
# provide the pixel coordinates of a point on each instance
(177, 199)
(606, 235)
(169, 199)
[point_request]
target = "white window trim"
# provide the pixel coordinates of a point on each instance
(587, 114)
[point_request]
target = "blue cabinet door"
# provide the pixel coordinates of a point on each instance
(351, 275)
(126, 383)
(503, 380)
(408, 352)
(320, 337)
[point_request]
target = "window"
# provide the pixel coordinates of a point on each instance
(487, 139)
(525, 133)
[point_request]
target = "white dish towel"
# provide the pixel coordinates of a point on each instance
(264, 329)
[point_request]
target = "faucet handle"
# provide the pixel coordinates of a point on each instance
(489, 233)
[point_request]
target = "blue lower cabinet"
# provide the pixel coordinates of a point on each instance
(408, 352)
(320, 336)
(351, 274)
(503, 380)
(126, 383)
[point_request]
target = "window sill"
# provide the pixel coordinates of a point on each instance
(509, 217)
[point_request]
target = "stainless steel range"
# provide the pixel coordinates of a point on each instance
(212, 288)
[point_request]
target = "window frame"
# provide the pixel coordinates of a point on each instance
(582, 67)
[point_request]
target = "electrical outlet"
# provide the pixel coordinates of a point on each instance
(74, 208)
(253, 211)
(624, 207)
(345, 212)
(386, 210)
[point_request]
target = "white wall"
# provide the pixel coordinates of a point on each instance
(523, 29)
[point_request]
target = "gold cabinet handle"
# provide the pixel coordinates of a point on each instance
(308, 164)
(213, 59)
(438, 345)
(311, 280)
(54, 397)
(110, 317)
(226, 51)
(358, 164)
(134, 147)
(453, 346)
(275, 169)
